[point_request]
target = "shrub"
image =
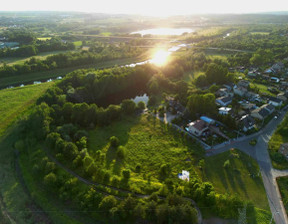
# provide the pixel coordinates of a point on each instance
(120, 154)
(226, 164)
(114, 141)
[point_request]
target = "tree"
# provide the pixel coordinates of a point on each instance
(126, 174)
(128, 106)
(216, 73)
(141, 105)
(107, 203)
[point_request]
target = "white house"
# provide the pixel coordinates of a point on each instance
(224, 110)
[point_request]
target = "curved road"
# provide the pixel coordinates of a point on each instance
(261, 154)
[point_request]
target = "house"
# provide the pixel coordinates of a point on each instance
(222, 92)
(275, 101)
(247, 122)
(269, 107)
(252, 96)
(229, 86)
(243, 83)
(262, 112)
(241, 91)
(197, 128)
(224, 110)
(224, 100)
(278, 67)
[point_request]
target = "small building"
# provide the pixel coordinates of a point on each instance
(208, 120)
(284, 149)
(275, 101)
(247, 122)
(185, 175)
(224, 101)
(222, 92)
(224, 110)
(197, 128)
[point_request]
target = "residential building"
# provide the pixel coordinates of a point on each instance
(241, 91)
(262, 112)
(247, 122)
(275, 101)
(243, 83)
(197, 128)
(224, 101)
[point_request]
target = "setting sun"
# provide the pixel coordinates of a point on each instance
(160, 57)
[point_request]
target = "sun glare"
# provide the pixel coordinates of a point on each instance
(160, 57)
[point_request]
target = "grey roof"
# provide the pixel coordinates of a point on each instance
(225, 99)
(274, 99)
(247, 121)
(270, 107)
(263, 112)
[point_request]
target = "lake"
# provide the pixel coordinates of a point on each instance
(164, 31)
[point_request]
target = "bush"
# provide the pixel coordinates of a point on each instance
(226, 164)
(138, 168)
(126, 174)
(120, 154)
(114, 141)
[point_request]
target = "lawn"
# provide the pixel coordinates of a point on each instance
(240, 176)
(279, 137)
(147, 142)
(259, 33)
(283, 188)
(17, 100)
(262, 88)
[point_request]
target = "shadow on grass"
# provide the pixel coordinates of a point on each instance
(99, 137)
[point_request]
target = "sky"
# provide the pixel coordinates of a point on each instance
(148, 7)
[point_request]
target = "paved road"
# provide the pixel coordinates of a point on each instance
(261, 154)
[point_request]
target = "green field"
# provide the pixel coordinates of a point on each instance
(147, 142)
(17, 100)
(44, 38)
(14, 201)
(259, 33)
(283, 188)
(36, 76)
(21, 60)
(262, 88)
(240, 177)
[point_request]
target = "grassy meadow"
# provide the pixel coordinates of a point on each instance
(239, 177)
(147, 142)
(17, 100)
